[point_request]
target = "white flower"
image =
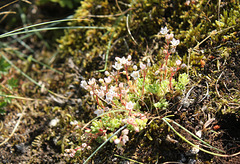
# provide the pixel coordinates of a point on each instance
(109, 96)
(148, 63)
(84, 145)
(108, 79)
(173, 50)
(103, 88)
(84, 84)
(178, 62)
(123, 60)
(117, 66)
(130, 105)
(114, 73)
(118, 59)
(98, 112)
(195, 149)
(89, 147)
(125, 132)
(117, 141)
(135, 75)
(124, 91)
(74, 122)
(54, 122)
(121, 85)
(129, 63)
(91, 81)
(199, 134)
(169, 37)
(125, 138)
(175, 42)
(129, 57)
(100, 93)
(112, 89)
(134, 67)
(72, 154)
(143, 66)
(164, 30)
(91, 92)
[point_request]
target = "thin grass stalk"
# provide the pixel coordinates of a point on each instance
(19, 54)
(190, 143)
(53, 28)
(39, 24)
(104, 143)
(195, 136)
(127, 159)
(29, 78)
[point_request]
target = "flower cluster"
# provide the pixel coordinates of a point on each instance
(121, 101)
(113, 90)
(72, 152)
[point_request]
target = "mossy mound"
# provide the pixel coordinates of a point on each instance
(131, 27)
(208, 34)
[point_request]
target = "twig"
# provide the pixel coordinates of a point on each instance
(205, 94)
(216, 84)
(129, 32)
(15, 128)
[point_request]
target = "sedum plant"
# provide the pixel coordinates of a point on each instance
(124, 96)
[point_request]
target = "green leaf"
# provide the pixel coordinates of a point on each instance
(12, 83)
(4, 67)
(2, 104)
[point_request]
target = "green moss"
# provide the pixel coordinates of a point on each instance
(190, 23)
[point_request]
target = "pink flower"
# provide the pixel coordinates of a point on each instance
(131, 121)
(136, 128)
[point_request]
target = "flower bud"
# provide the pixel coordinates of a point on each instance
(101, 80)
(129, 57)
(134, 67)
(107, 73)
